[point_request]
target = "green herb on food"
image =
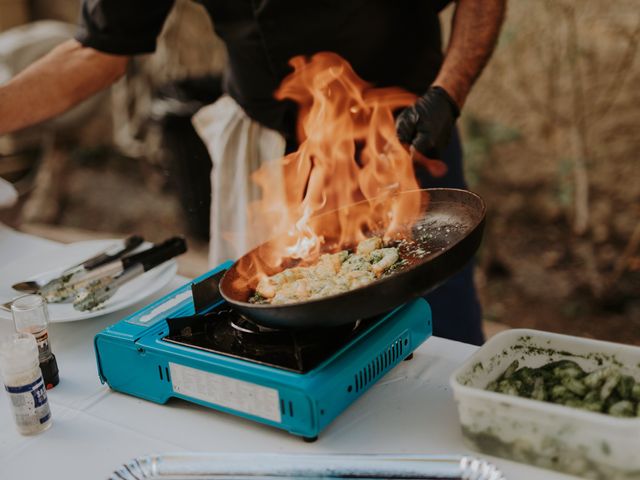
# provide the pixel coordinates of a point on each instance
(564, 382)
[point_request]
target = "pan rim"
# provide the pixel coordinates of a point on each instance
(315, 301)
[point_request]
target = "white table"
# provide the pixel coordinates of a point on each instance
(95, 430)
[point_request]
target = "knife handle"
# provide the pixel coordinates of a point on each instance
(131, 243)
(157, 254)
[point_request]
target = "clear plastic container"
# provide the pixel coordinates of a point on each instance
(587, 444)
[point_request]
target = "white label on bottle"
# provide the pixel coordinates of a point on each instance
(29, 402)
(227, 392)
(44, 349)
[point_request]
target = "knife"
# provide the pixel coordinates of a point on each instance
(66, 276)
(130, 244)
(95, 293)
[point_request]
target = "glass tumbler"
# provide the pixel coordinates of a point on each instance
(31, 315)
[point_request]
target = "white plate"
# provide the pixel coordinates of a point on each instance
(130, 293)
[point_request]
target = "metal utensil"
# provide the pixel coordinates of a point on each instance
(180, 466)
(69, 289)
(448, 231)
(94, 294)
(46, 283)
(7, 305)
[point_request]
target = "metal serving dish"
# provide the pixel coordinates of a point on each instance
(201, 466)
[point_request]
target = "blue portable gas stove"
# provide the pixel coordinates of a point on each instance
(192, 345)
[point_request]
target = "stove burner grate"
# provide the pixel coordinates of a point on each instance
(227, 332)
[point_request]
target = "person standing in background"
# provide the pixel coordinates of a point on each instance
(387, 43)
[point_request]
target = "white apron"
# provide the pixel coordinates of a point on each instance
(238, 146)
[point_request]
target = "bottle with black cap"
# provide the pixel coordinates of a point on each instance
(30, 315)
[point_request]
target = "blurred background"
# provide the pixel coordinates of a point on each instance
(550, 133)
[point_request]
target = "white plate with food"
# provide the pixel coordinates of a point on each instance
(65, 256)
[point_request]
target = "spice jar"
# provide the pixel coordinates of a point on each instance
(23, 383)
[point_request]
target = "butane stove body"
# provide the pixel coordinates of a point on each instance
(193, 345)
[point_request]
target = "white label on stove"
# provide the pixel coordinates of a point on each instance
(227, 392)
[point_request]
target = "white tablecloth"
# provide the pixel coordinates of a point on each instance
(411, 410)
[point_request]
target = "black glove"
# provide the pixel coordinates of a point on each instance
(429, 123)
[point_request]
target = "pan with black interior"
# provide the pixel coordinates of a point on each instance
(443, 238)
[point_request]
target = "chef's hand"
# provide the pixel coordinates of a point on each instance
(428, 124)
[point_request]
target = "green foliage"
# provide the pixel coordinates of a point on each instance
(481, 136)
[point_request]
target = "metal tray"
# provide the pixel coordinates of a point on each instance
(203, 466)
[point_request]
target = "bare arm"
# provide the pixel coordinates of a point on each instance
(475, 29)
(63, 78)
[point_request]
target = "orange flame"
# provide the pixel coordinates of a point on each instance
(348, 153)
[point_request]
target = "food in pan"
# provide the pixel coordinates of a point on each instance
(333, 273)
(606, 390)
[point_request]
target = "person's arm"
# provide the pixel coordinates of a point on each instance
(474, 32)
(61, 79)
(427, 125)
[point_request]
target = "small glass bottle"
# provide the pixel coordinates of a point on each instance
(30, 315)
(23, 382)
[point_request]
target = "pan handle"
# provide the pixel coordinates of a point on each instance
(206, 292)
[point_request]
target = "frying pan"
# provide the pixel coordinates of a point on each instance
(442, 240)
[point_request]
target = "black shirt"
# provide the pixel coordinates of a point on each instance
(388, 42)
